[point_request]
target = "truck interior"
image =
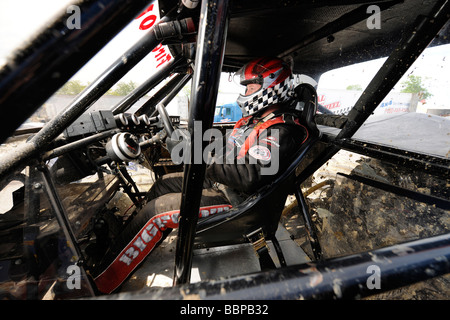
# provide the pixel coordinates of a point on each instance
(364, 202)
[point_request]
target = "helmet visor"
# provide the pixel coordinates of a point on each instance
(251, 73)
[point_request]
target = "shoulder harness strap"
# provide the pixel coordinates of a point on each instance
(279, 116)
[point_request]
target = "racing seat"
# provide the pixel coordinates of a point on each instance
(256, 219)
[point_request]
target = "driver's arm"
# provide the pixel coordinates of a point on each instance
(268, 156)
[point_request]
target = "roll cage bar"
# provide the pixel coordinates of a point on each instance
(62, 51)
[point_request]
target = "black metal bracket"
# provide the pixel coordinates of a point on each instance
(309, 224)
(258, 241)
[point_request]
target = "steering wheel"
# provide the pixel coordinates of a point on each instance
(165, 118)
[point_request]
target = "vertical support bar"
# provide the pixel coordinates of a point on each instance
(172, 94)
(310, 228)
(400, 60)
(60, 213)
(98, 87)
(205, 84)
(339, 278)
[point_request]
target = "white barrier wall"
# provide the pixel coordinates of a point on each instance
(341, 101)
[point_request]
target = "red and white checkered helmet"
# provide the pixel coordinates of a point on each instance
(276, 80)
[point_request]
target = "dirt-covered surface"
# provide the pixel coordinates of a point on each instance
(353, 217)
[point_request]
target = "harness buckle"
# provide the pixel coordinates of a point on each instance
(258, 241)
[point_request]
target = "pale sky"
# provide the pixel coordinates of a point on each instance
(19, 19)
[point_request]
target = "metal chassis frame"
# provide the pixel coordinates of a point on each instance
(423, 32)
(426, 163)
(61, 215)
(58, 52)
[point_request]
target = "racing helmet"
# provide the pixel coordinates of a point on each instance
(276, 80)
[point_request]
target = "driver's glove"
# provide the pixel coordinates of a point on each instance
(177, 144)
(171, 143)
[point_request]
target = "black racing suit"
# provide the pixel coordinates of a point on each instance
(251, 156)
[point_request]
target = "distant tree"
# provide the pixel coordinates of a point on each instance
(414, 85)
(356, 87)
(123, 88)
(72, 87)
(187, 90)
